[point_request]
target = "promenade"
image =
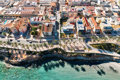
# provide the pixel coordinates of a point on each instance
(75, 46)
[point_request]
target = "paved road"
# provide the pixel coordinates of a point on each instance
(58, 20)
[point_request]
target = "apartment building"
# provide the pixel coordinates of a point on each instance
(88, 28)
(95, 26)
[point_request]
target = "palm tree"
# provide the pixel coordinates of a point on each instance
(12, 45)
(27, 46)
(45, 44)
(60, 44)
(71, 39)
(51, 45)
(74, 43)
(40, 45)
(37, 46)
(71, 49)
(30, 45)
(0, 42)
(63, 40)
(79, 39)
(64, 47)
(15, 44)
(40, 29)
(34, 46)
(55, 41)
(23, 45)
(18, 43)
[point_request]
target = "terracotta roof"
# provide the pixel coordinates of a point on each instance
(90, 7)
(22, 28)
(26, 12)
(45, 28)
(86, 23)
(21, 24)
(93, 14)
(48, 28)
(9, 25)
(116, 26)
(116, 14)
(93, 21)
(88, 27)
(89, 12)
(29, 8)
(118, 19)
(97, 27)
(53, 4)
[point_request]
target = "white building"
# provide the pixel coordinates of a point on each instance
(80, 25)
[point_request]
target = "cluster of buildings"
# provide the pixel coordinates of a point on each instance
(90, 17)
(53, 19)
(29, 17)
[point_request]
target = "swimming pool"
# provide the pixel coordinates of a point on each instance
(5, 22)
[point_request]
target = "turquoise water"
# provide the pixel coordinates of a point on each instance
(58, 70)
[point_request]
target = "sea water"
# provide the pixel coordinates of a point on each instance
(59, 70)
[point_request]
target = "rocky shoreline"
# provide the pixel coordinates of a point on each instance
(57, 53)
